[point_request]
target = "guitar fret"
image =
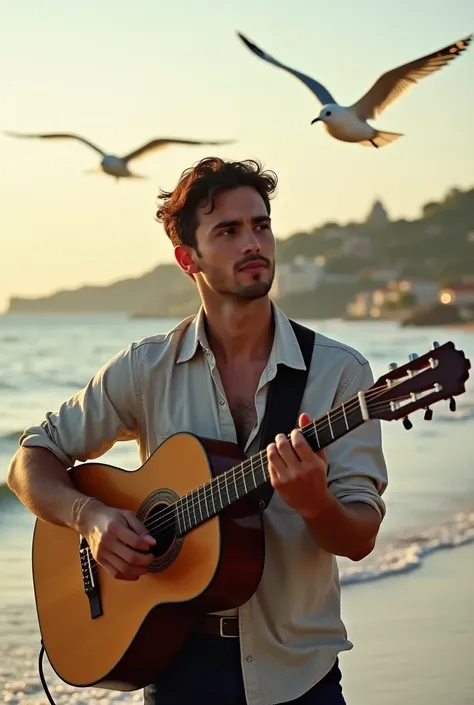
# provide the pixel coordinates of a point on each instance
(345, 417)
(235, 485)
(330, 427)
(253, 472)
(199, 503)
(262, 469)
(315, 426)
(243, 475)
(187, 508)
(219, 491)
(240, 480)
(226, 483)
(214, 510)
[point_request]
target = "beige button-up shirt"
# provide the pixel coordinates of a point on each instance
(291, 629)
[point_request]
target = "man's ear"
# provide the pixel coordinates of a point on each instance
(185, 257)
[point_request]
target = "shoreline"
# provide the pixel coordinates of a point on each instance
(414, 644)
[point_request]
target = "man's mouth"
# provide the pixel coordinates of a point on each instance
(253, 266)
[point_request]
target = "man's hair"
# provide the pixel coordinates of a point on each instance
(200, 185)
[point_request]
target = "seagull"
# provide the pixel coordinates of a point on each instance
(112, 164)
(349, 123)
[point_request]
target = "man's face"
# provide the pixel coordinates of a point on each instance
(236, 245)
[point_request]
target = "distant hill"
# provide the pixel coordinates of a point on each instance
(437, 246)
(162, 289)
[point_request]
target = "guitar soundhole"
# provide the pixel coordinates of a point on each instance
(157, 513)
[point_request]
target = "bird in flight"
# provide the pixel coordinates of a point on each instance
(114, 165)
(349, 123)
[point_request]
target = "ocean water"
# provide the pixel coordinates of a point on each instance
(44, 359)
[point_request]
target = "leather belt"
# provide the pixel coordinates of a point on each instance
(219, 626)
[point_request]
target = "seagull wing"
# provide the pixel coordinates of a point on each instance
(392, 84)
(163, 142)
(56, 136)
(321, 93)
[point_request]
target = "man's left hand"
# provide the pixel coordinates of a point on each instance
(297, 473)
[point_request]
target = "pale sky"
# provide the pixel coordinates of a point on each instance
(120, 73)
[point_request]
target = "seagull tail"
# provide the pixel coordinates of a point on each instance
(381, 139)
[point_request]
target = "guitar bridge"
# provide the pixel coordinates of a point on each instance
(90, 578)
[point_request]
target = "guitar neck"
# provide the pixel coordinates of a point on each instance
(237, 482)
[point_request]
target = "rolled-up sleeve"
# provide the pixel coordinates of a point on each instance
(88, 424)
(357, 470)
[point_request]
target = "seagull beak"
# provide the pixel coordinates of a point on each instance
(315, 120)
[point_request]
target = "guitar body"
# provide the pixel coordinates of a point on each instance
(142, 624)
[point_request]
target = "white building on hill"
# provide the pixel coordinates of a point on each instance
(299, 276)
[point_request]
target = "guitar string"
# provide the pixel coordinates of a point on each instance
(96, 566)
(350, 406)
(189, 503)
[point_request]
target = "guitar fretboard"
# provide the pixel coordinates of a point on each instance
(211, 498)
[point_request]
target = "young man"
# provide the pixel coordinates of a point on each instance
(210, 376)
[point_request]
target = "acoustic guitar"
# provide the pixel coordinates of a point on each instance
(193, 496)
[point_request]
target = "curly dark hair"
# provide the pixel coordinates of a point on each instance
(201, 184)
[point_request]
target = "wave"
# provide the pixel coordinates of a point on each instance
(406, 554)
(402, 555)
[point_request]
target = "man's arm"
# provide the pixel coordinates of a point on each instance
(84, 427)
(337, 491)
(345, 530)
(348, 523)
(42, 483)
(357, 478)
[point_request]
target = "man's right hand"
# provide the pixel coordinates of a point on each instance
(116, 537)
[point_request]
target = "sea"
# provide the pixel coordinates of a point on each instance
(45, 358)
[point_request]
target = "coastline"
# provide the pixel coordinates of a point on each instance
(467, 326)
(412, 639)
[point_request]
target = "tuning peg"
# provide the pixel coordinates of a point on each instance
(407, 423)
(435, 344)
(452, 404)
(428, 414)
(392, 366)
(412, 356)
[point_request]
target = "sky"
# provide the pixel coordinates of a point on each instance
(120, 72)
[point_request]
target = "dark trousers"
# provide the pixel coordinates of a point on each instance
(207, 671)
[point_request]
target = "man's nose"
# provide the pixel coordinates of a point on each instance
(252, 245)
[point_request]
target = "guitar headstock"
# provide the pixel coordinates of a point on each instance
(439, 374)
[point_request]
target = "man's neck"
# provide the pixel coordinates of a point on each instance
(240, 330)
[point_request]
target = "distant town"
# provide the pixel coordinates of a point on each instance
(417, 272)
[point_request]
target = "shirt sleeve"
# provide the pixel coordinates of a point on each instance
(357, 470)
(88, 424)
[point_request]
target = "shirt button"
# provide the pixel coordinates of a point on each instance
(249, 659)
(221, 402)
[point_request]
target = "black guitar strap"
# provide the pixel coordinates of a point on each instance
(283, 403)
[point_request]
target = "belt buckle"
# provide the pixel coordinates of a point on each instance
(221, 632)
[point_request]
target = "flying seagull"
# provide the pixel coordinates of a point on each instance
(349, 123)
(110, 163)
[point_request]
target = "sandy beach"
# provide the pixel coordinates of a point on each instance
(413, 637)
